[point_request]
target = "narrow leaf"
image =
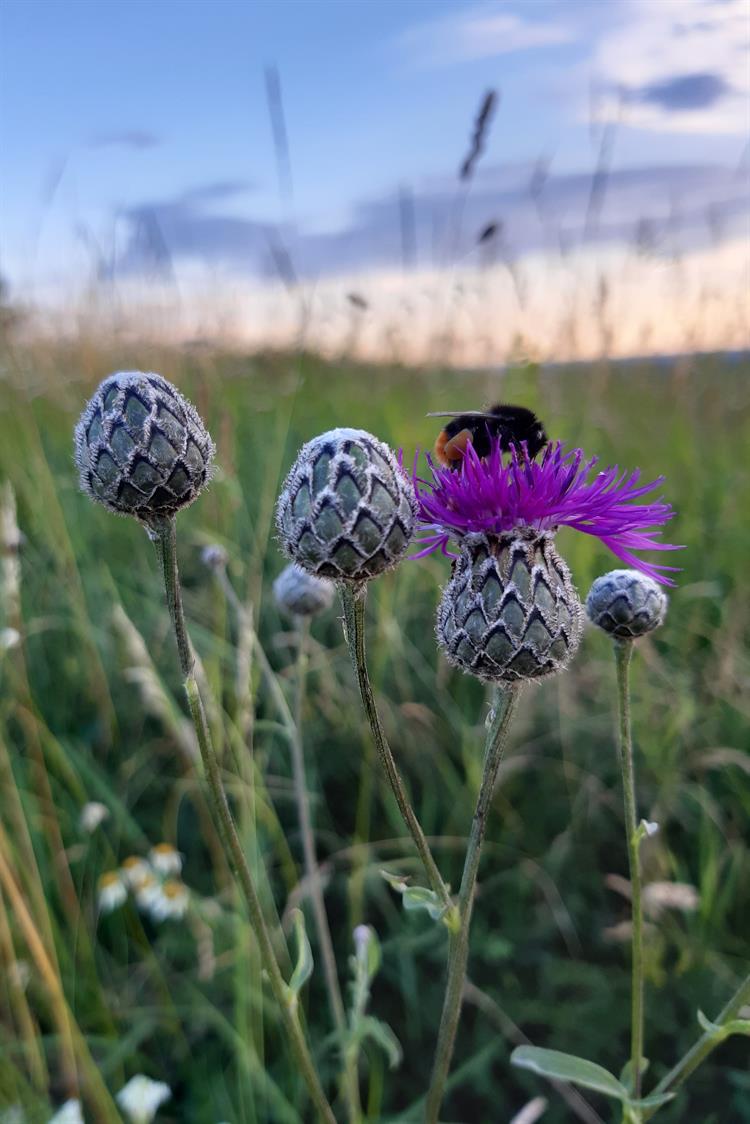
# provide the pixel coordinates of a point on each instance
(654, 1100)
(380, 1032)
(567, 1067)
(304, 966)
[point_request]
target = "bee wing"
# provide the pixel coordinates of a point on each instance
(462, 414)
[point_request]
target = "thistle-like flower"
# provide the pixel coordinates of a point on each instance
(346, 510)
(141, 448)
(141, 1098)
(300, 594)
(510, 610)
(626, 604)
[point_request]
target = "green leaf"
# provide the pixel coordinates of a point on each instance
(380, 1032)
(724, 1030)
(304, 966)
(627, 1073)
(654, 1100)
(567, 1067)
(415, 897)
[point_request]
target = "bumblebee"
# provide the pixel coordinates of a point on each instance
(510, 424)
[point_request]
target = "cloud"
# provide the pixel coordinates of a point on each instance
(686, 92)
(668, 207)
(126, 138)
(681, 75)
(476, 33)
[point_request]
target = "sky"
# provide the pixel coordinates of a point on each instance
(135, 138)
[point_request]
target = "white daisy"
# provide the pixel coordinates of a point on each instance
(92, 814)
(141, 1097)
(165, 859)
(112, 891)
(70, 1113)
(134, 871)
(147, 891)
(171, 902)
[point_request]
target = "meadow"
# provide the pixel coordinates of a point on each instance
(91, 709)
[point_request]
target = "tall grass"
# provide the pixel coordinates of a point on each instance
(88, 714)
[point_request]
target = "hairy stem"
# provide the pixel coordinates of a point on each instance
(623, 654)
(165, 538)
(504, 707)
(703, 1047)
(353, 600)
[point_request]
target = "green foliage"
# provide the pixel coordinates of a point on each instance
(80, 720)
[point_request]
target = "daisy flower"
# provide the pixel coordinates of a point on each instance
(165, 859)
(111, 892)
(141, 1098)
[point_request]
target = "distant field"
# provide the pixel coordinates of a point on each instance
(183, 1002)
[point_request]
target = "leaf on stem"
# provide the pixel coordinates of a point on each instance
(304, 965)
(416, 897)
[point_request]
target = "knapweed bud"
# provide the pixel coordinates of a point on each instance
(299, 594)
(141, 448)
(510, 610)
(347, 509)
(626, 604)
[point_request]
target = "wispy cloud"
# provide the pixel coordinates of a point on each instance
(663, 207)
(126, 138)
(677, 68)
(477, 33)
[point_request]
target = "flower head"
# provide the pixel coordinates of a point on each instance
(165, 859)
(69, 1113)
(300, 594)
(141, 448)
(111, 891)
(487, 495)
(92, 815)
(141, 1098)
(626, 604)
(169, 902)
(134, 871)
(347, 509)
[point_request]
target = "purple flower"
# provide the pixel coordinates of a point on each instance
(488, 496)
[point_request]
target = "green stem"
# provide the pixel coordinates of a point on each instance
(703, 1047)
(623, 654)
(504, 707)
(312, 872)
(166, 543)
(354, 600)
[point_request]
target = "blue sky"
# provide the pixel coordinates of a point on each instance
(112, 111)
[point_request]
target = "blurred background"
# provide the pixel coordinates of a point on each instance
(321, 213)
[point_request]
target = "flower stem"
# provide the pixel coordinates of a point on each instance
(166, 544)
(623, 654)
(703, 1047)
(504, 707)
(354, 600)
(312, 872)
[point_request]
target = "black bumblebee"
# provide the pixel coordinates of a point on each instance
(511, 424)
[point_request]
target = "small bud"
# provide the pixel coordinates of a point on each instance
(347, 509)
(214, 557)
(300, 594)
(626, 604)
(141, 448)
(510, 610)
